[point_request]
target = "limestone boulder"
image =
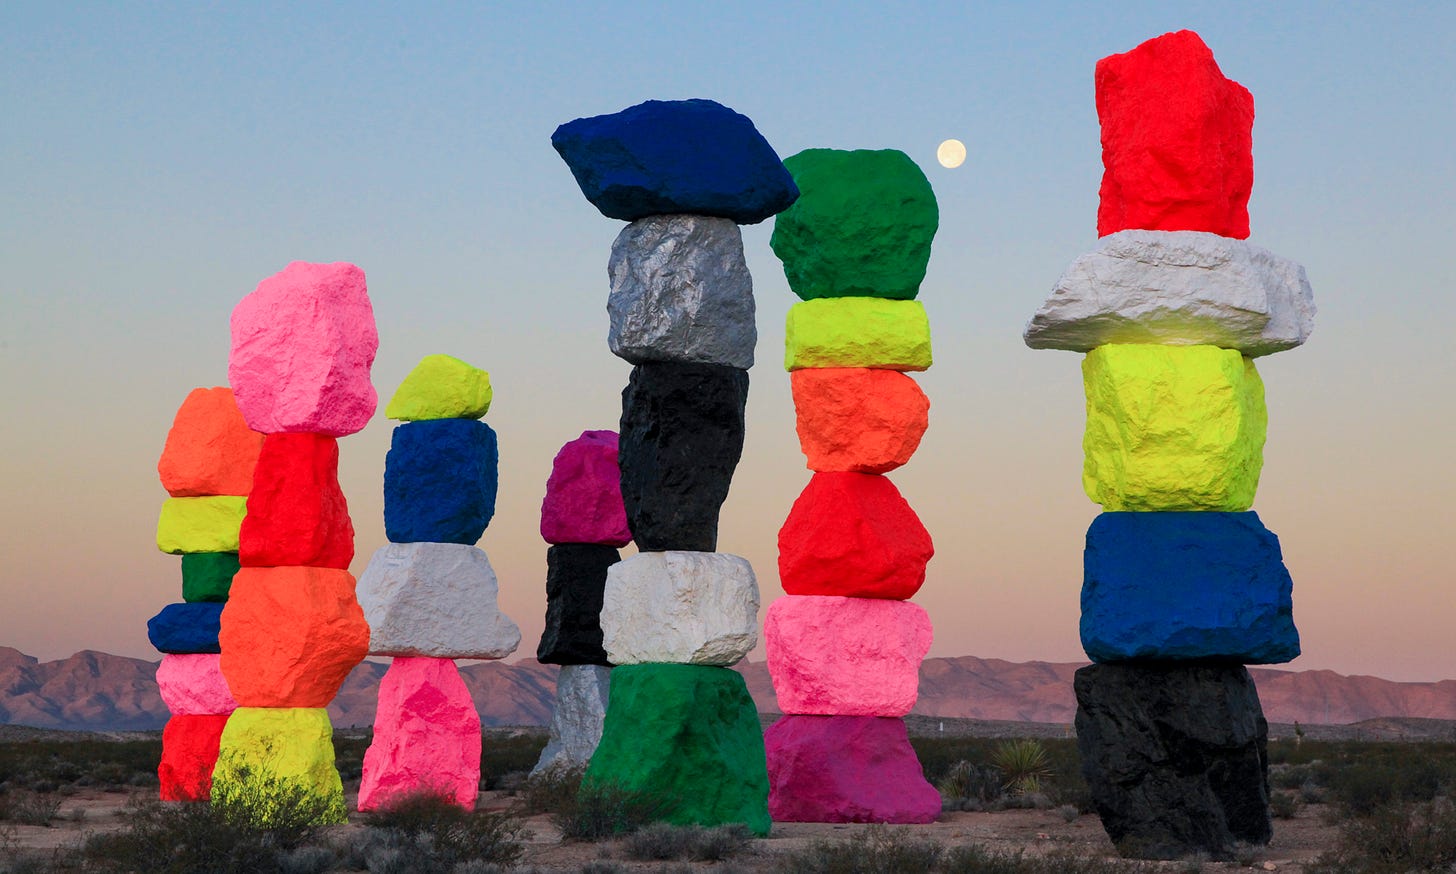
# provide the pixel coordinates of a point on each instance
(297, 514)
(440, 481)
(857, 332)
(441, 387)
(858, 419)
(846, 769)
(210, 449)
(186, 628)
(192, 684)
(270, 759)
(698, 608)
(207, 576)
(576, 581)
(582, 692)
(189, 753)
(435, 600)
(426, 737)
(201, 524)
(583, 502)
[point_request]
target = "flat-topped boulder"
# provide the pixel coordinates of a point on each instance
(697, 608)
(436, 600)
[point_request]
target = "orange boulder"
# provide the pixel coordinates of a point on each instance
(210, 449)
(858, 419)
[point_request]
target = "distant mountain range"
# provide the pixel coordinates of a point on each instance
(97, 691)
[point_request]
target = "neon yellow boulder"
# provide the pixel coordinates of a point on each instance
(278, 764)
(857, 332)
(441, 387)
(205, 524)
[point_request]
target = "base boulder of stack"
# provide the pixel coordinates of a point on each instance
(846, 769)
(576, 723)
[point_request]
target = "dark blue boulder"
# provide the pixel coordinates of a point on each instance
(1184, 587)
(186, 628)
(440, 479)
(676, 156)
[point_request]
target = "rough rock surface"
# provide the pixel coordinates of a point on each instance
(207, 576)
(1177, 288)
(189, 752)
(681, 438)
(845, 656)
(290, 635)
(688, 734)
(576, 580)
(1186, 586)
(302, 346)
(297, 514)
(440, 480)
(436, 600)
(675, 156)
(426, 737)
(681, 291)
(857, 332)
(846, 769)
(582, 692)
(441, 387)
(206, 524)
(192, 684)
(1177, 140)
(858, 419)
(852, 534)
(1175, 757)
(697, 608)
(210, 449)
(583, 502)
(185, 628)
(268, 756)
(1172, 428)
(862, 225)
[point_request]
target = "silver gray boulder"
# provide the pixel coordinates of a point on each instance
(576, 724)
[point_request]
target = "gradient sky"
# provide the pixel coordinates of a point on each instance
(158, 160)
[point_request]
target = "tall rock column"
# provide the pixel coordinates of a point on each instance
(845, 644)
(1182, 583)
(302, 346)
(685, 174)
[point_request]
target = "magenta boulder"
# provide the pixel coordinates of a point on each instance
(583, 501)
(846, 769)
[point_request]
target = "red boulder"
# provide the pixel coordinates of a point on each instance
(189, 750)
(297, 514)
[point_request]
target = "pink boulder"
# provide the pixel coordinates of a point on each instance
(193, 684)
(426, 736)
(845, 656)
(303, 343)
(845, 769)
(189, 752)
(584, 494)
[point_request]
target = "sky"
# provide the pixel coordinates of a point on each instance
(158, 160)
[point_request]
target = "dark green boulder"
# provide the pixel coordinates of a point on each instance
(208, 576)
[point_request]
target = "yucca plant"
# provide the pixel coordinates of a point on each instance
(1023, 764)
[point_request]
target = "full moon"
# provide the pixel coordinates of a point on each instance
(951, 153)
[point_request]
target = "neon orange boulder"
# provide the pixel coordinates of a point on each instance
(297, 514)
(210, 449)
(189, 751)
(858, 419)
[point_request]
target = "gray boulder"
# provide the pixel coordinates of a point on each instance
(436, 600)
(680, 607)
(576, 724)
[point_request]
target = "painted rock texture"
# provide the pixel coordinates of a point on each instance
(302, 346)
(290, 635)
(689, 733)
(845, 656)
(189, 752)
(1172, 428)
(207, 576)
(857, 332)
(436, 600)
(576, 580)
(203, 524)
(858, 419)
(583, 502)
(1176, 757)
(185, 628)
(681, 438)
(192, 684)
(1177, 288)
(268, 756)
(675, 156)
(210, 449)
(846, 769)
(426, 737)
(862, 225)
(441, 387)
(1186, 586)
(440, 479)
(582, 692)
(297, 514)
(681, 291)
(1177, 140)
(696, 608)
(852, 534)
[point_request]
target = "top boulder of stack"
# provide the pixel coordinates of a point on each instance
(441, 387)
(666, 157)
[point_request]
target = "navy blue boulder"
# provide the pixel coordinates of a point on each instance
(440, 479)
(186, 628)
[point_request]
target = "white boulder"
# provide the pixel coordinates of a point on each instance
(576, 725)
(696, 608)
(436, 600)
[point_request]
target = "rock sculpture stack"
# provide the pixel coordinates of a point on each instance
(685, 174)
(1183, 585)
(845, 645)
(430, 594)
(207, 468)
(583, 519)
(302, 346)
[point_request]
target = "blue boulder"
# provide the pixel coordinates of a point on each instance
(1184, 587)
(440, 479)
(186, 628)
(676, 156)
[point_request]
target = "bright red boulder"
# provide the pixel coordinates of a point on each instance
(859, 419)
(297, 514)
(852, 534)
(189, 751)
(210, 449)
(1177, 140)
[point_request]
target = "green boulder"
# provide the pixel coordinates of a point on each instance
(688, 735)
(861, 227)
(208, 576)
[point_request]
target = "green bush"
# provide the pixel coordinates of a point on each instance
(604, 810)
(875, 850)
(661, 841)
(28, 808)
(434, 834)
(1394, 839)
(551, 791)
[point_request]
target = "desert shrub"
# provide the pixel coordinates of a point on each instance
(1362, 788)
(603, 810)
(46, 765)
(875, 850)
(430, 833)
(968, 786)
(289, 811)
(976, 859)
(551, 791)
(1023, 764)
(1289, 776)
(1284, 805)
(662, 841)
(504, 757)
(29, 808)
(181, 839)
(1068, 812)
(1394, 839)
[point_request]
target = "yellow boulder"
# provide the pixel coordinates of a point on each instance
(441, 387)
(857, 332)
(277, 765)
(206, 524)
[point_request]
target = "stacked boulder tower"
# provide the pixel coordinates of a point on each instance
(302, 346)
(1183, 585)
(845, 644)
(685, 174)
(430, 595)
(207, 468)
